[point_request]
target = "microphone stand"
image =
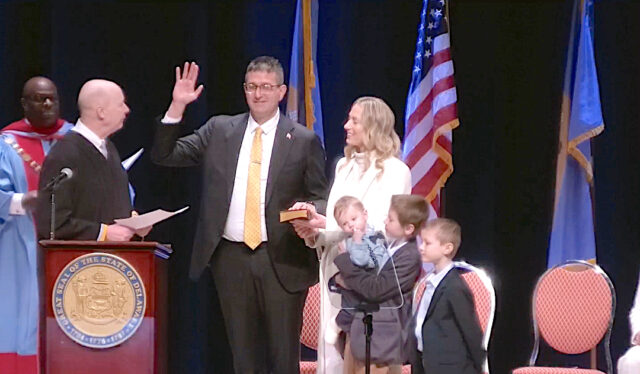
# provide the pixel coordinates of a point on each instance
(52, 227)
(53, 184)
(368, 309)
(53, 215)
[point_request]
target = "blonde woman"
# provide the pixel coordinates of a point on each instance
(371, 172)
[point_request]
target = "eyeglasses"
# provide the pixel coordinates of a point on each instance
(41, 99)
(265, 87)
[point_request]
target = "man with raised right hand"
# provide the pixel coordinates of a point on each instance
(255, 164)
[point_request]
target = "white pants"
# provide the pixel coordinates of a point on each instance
(630, 362)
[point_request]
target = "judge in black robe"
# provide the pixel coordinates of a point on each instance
(98, 192)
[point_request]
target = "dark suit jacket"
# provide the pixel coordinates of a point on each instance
(390, 343)
(451, 333)
(98, 191)
(296, 173)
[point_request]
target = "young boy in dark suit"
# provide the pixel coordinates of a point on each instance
(448, 334)
(389, 286)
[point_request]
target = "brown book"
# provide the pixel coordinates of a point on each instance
(288, 215)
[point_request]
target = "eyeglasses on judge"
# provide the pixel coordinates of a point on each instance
(265, 87)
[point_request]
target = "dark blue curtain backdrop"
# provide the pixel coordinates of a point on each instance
(509, 64)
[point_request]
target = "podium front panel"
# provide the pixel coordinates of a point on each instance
(142, 352)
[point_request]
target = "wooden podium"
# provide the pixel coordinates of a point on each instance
(89, 288)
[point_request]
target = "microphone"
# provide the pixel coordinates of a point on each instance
(64, 174)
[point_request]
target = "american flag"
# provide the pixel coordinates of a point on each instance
(431, 111)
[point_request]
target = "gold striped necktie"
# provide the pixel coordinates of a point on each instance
(252, 232)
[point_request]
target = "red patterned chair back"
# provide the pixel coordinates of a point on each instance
(311, 318)
(573, 308)
(484, 299)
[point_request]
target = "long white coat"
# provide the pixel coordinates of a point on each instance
(630, 362)
(374, 189)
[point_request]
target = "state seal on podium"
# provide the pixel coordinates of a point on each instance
(99, 300)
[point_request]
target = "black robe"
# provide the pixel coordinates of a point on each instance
(98, 191)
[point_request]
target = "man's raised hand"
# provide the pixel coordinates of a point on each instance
(184, 90)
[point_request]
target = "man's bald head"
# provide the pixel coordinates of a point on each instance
(102, 106)
(33, 84)
(96, 93)
(40, 102)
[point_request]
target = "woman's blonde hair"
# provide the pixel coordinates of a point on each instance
(380, 138)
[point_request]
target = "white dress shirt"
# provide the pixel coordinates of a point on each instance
(234, 228)
(433, 280)
(394, 245)
(87, 133)
(392, 248)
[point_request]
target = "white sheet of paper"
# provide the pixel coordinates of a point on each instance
(148, 219)
(126, 164)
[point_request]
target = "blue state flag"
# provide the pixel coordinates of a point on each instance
(303, 101)
(572, 234)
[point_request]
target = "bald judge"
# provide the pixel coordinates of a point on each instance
(97, 193)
